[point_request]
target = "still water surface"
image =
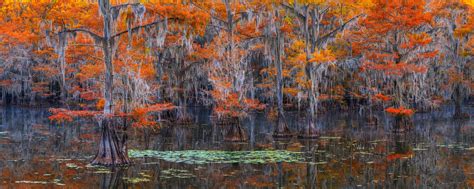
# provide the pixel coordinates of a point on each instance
(437, 153)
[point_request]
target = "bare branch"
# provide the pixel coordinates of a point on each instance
(135, 29)
(124, 5)
(189, 66)
(335, 31)
(298, 14)
(92, 34)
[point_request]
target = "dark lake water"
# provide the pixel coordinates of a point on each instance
(437, 153)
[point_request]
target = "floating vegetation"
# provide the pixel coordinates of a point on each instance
(176, 173)
(32, 182)
(72, 166)
(103, 171)
(204, 157)
(420, 149)
(318, 163)
(55, 182)
(94, 166)
(63, 160)
(143, 174)
(135, 180)
(458, 146)
(329, 138)
(151, 163)
(363, 153)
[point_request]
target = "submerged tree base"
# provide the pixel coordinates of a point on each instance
(185, 121)
(402, 124)
(112, 149)
(461, 116)
(224, 121)
(310, 132)
(371, 120)
(235, 134)
(282, 130)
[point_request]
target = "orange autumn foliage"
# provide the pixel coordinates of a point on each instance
(100, 104)
(61, 115)
(382, 97)
(396, 156)
(230, 106)
(89, 95)
(143, 116)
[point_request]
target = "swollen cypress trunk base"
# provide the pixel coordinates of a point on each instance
(112, 151)
(309, 132)
(458, 114)
(403, 124)
(235, 134)
(281, 129)
(371, 120)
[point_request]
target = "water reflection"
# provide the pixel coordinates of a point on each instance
(350, 154)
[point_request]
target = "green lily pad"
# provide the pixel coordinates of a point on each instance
(55, 182)
(329, 138)
(214, 156)
(32, 182)
(135, 180)
(176, 173)
(103, 171)
(420, 149)
(72, 166)
(145, 175)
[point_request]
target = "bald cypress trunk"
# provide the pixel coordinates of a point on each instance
(281, 129)
(112, 150)
(108, 44)
(112, 146)
(309, 130)
(235, 133)
(458, 114)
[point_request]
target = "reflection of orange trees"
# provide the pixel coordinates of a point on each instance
(141, 116)
(397, 156)
(469, 168)
(400, 112)
(61, 115)
(382, 97)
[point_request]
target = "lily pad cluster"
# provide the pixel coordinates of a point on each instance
(55, 182)
(176, 173)
(216, 156)
(135, 180)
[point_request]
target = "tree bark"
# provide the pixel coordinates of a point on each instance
(108, 45)
(112, 150)
(309, 131)
(281, 129)
(402, 124)
(236, 133)
(62, 64)
(458, 114)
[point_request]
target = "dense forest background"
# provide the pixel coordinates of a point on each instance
(236, 56)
